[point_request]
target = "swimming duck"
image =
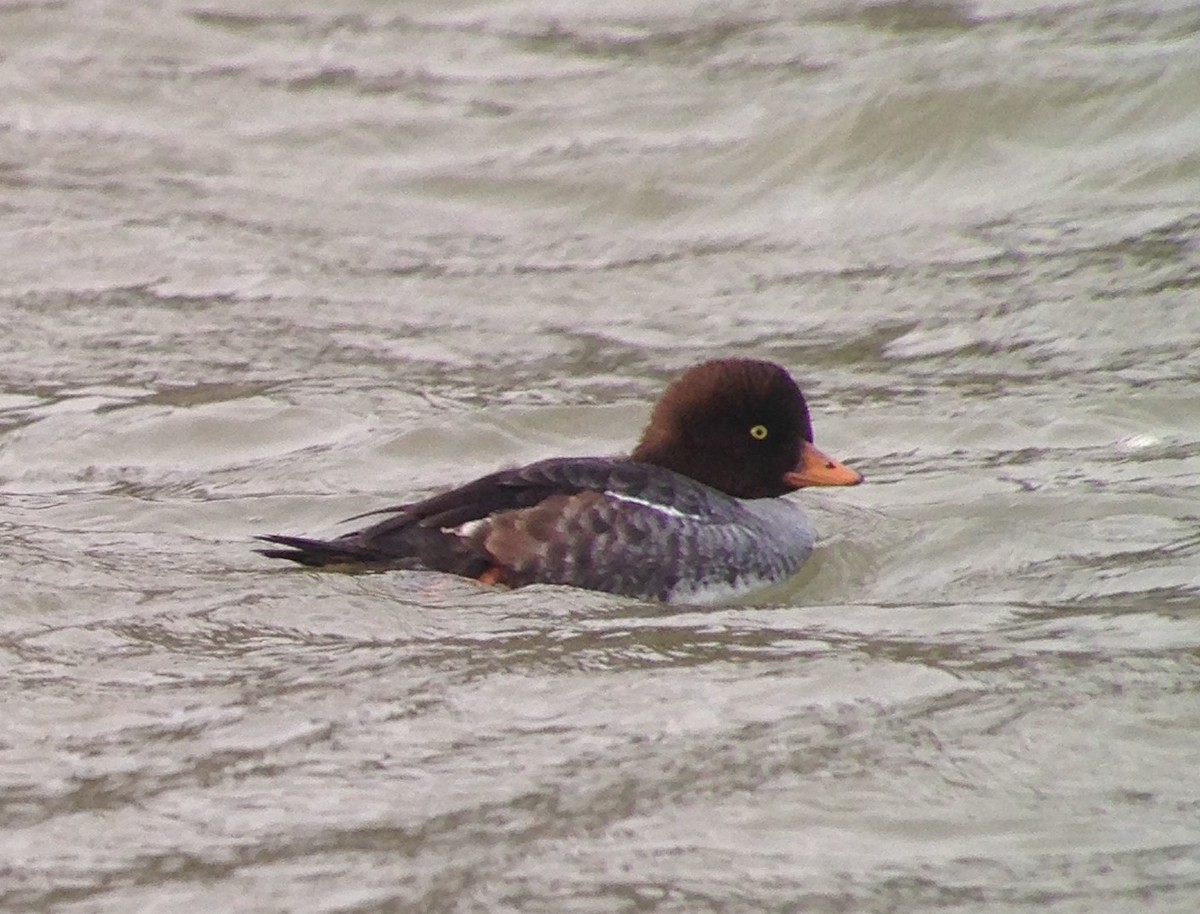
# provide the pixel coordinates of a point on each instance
(692, 515)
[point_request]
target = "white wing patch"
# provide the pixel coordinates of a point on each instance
(467, 530)
(666, 510)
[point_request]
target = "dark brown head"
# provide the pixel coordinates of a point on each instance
(741, 426)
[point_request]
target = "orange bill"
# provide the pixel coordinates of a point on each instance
(818, 469)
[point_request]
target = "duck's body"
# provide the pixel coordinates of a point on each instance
(602, 524)
(693, 515)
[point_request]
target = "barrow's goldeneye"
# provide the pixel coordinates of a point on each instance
(693, 515)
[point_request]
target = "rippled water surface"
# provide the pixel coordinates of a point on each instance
(264, 269)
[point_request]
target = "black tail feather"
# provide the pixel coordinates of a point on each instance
(317, 553)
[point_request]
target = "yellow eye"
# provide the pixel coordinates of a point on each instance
(758, 432)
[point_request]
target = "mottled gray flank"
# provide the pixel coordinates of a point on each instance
(713, 549)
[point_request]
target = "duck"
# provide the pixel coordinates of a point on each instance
(695, 514)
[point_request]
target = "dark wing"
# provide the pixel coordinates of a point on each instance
(427, 534)
(512, 489)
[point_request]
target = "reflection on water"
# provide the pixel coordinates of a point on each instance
(264, 270)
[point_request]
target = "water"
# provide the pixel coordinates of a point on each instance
(264, 270)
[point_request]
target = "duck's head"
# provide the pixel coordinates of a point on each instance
(740, 426)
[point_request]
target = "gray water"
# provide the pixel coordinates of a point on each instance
(261, 270)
